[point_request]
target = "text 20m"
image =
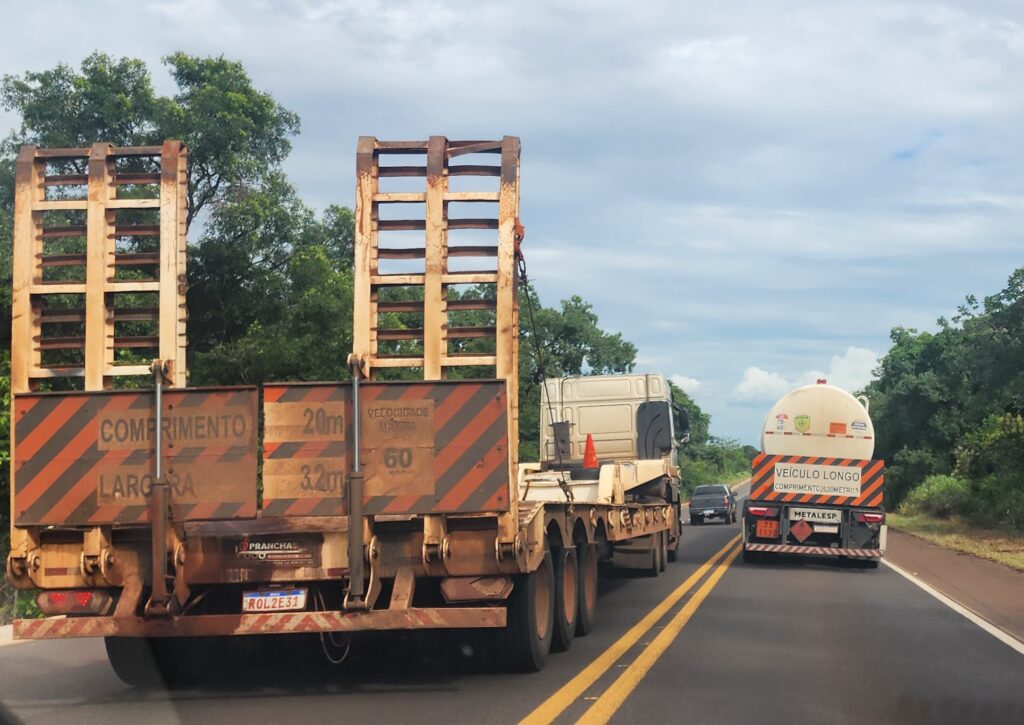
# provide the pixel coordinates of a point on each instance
(320, 422)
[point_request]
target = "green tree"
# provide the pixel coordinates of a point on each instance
(569, 341)
(951, 401)
(707, 458)
(700, 422)
(237, 135)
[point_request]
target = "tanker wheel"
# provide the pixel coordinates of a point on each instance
(586, 610)
(663, 543)
(531, 620)
(566, 599)
(140, 661)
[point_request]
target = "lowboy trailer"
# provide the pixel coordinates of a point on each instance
(143, 515)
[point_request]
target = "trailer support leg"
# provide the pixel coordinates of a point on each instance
(355, 598)
(161, 602)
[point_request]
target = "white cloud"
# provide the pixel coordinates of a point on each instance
(688, 384)
(760, 385)
(850, 371)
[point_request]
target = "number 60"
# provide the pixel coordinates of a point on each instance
(398, 457)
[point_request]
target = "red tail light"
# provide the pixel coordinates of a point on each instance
(762, 510)
(870, 518)
(725, 500)
(80, 601)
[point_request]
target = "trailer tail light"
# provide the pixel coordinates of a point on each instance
(869, 518)
(78, 601)
(762, 510)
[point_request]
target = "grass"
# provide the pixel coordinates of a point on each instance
(999, 546)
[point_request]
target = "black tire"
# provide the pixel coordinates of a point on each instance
(567, 579)
(673, 550)
(696, 521)
(751, 557)
(531, 620)
(139, 661)
(586, 610)
(654, 569)
(663, 542)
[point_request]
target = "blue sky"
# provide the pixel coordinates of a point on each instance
(753, 193)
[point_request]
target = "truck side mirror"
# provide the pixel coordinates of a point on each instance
(684, 424)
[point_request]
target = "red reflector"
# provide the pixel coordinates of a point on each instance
(762, 510)
(867, 518)
(74, 601)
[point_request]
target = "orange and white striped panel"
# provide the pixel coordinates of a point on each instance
(817, 480)
(86, 458)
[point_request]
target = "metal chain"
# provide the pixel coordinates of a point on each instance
(541, 375)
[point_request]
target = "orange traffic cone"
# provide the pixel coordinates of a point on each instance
(590, 454)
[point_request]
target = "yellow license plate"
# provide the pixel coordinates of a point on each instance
(767, 529)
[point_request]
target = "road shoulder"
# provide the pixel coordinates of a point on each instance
(992, 591)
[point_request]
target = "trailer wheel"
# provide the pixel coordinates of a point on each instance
(751, 557)
(586, 611)
(531, 619)
(655, 567)
(139, 661)
(673, 550)
(566, 599)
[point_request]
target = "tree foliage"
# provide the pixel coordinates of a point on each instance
(237, 135)
(951, 402)
(557, 343)
(707, 458)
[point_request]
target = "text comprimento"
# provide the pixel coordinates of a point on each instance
(130, 430)
(820, 480)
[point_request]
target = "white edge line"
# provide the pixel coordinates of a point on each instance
(1002, 635)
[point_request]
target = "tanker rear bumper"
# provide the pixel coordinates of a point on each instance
(210, 625)
(814, 550)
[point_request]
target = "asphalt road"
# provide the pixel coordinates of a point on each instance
(788, 642)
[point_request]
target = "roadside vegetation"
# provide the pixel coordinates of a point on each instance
(948, 409)
(707, 458)
(956, 534)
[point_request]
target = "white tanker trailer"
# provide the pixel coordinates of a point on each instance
(815, 489)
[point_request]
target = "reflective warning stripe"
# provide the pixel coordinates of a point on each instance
(813, 550)
(270, 623)
(87, 458)
(469, 470)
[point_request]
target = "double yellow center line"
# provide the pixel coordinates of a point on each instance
(603, 709)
